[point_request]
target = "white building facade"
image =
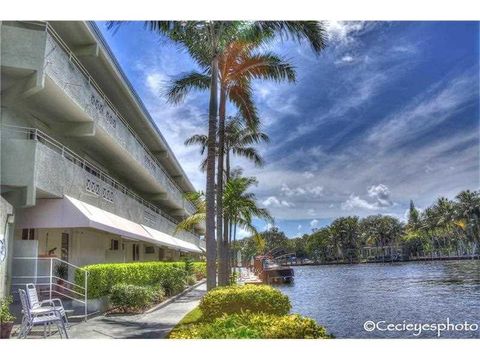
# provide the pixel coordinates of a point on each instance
(86, 175)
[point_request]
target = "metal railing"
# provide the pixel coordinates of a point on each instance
(74, 60)
(48, 282)
(38, 135)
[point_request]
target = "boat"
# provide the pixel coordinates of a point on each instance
(270, 271)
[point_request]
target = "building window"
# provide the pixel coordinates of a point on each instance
(149, 250)
(113, 244)
(28, 234)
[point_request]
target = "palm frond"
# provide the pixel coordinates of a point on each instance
(178, 89)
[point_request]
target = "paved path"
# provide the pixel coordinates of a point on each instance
(155, 325)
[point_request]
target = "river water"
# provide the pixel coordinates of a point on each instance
(404, 300)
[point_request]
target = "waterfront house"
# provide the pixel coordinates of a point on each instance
(86, 175)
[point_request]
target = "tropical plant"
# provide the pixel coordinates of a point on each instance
(239, 64)
(5, 314)
(198, 200)
(206, 41)
(241, 207)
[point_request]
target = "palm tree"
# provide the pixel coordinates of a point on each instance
(239, 139)
(198, 200)
(240, 206)
(239, 64)
(205, 41)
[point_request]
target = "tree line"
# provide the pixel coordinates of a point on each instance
(447, 228)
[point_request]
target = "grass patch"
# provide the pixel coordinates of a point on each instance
(193, 317)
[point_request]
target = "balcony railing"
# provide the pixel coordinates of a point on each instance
(74, 60)
(38, 135)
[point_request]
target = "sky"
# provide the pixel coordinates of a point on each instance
(387, 113)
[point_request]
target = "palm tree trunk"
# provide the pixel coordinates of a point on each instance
(210, 188)
(227, 223)
(222, 246)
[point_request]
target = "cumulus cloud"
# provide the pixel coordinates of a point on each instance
(380, 195)
(314, 223)
(298, 191)
(273, 201)
(343, 32)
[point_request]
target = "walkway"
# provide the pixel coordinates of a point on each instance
(154, 325)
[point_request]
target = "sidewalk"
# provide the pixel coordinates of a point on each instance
(154, 325)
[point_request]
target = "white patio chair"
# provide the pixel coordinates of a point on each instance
(38, 307)
(30, 319)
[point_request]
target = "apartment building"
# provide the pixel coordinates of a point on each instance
(86, 175)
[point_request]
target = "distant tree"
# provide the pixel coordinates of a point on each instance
(345, 235)
(319, 247)
(413, 217)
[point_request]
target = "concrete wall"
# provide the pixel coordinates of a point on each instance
(56, 175)
(37, 51)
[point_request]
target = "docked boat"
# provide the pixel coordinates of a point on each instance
(270, 271)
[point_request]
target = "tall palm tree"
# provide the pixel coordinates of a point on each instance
(239, 139)
(239, 64)
(205, 42)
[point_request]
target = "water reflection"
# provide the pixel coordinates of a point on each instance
(343, 297)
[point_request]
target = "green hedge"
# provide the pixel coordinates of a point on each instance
(200, 270)
(235, 299)
(253, 326)
(102, 277)
(134, 297)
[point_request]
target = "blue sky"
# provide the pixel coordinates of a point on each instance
(389, 112)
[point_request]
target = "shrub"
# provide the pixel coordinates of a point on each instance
(191, 280)
(102, 277)
(236, 299)
(5, 314)
(132, 297)
(253, 326)
(200, 270)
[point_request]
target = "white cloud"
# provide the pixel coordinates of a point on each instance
(298, 191)
(308, 174)
(274, 202)
(316, 190)
(430, 109)
(343, 32)
(355, 202)
(345, 59)
(299, 227)
(381, 194)
(314, 223)
(155, 82)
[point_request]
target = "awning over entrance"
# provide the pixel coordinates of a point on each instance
(171, 241)
(72, 213)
